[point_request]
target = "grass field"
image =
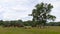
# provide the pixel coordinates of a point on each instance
(12, 30)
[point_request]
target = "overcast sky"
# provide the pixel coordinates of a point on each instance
(19, 9)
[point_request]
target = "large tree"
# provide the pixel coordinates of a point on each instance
(41, 13)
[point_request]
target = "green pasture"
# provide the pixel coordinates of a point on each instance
(35, 30)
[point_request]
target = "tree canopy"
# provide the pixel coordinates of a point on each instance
(41, 13)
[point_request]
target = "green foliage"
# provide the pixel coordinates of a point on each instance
(17, 23)
(27, 23)
(41, 13)
(1, 22)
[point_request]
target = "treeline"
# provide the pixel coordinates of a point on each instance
(53, 24)
(16, 23)
(20, 23)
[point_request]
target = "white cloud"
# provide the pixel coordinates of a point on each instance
(14, 9)
(19, 9)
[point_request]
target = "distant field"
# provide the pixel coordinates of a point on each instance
(48, 30)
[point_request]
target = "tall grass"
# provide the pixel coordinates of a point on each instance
(15, 30)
